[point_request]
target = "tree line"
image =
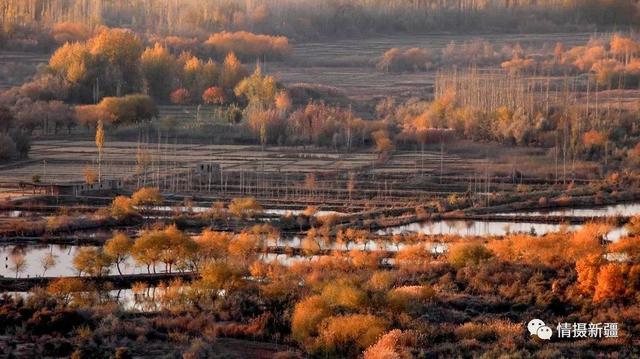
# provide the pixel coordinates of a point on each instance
(307, 19)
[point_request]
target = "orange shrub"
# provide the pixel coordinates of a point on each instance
(404, 298)
(248, 45)
(551, 248)
(413, 59)
(307, 316)
(518, 65)
(393, 344)
(343, 295)
(147, 196)
(122, 208)
(213, 96)
(180, 96)
(350, 333)
(70, 32)
(610, 283)
(587, 270)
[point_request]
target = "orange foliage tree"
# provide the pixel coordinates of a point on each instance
(213, 96)
(610, 283)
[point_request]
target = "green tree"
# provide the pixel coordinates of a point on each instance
(159, 71)
(232, 71)
(259, 90)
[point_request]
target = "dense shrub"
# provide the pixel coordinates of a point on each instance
(396, 60)
(8, 150)
(247, 45)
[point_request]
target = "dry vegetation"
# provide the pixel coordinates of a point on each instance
(338, 303)
(305, 19)
(214, 208)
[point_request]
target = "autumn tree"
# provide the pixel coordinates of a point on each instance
(259, 90)
(180, 96)
(118, 248)
(283, 101)
(179, 250)
(147, 197)
(91, 261)
(121, 208)
(243, 248)
(213, 96)
(594, 139)
(106, 64)
(159, 71)
(197, 75)
(213, 245)
(91, 115)
(409, 298)
(70, 32)
(266, 233)
(218, 276)
(148, 248)
(100, 139)
(119, 50)
(610, 283)
(587, 269)
(232, 71)
(365, 259)
(267, 125)
(247, 45)
(309, 245)
(244, 208)
(624, 48)
(18, 262)
(47, 262)
(217, 212)
(413, 257)
(128, 109)
(74, 62)
(90, 175)
(65, 288)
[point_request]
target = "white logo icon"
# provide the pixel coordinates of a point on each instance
(538, 328)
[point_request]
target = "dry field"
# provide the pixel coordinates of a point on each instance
(65, 161)
(349, 65)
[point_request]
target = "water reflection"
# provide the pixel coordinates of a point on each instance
(487, 228)
(476, 228)
(623, 209)
(276, 211)
(50, 260)
(33, 260)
